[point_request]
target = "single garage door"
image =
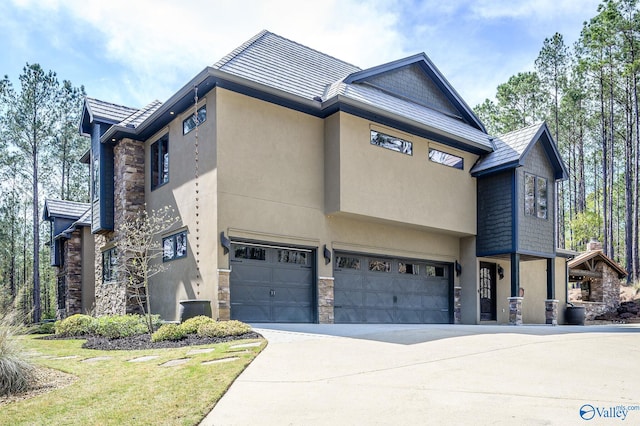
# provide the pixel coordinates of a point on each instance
(380, 290)
(271, 284)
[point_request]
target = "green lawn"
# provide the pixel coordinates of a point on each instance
(118, 392)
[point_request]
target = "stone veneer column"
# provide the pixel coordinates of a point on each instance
(73, 273)
(325, 300)
(224, 299)
(129, 200)
(515, 310)
(551, 311)
(457, 305)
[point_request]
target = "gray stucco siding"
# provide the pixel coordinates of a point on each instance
(495, 214)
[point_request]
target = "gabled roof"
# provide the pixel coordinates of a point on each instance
(64, 209)
(586, 260)
(511, 150)
(285, 65)
(95, 110)
(281, 71)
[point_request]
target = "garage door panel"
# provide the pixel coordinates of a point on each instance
(396, 291)
(378, 300)
(378, 316)
(348, 315)
(436, 316)
(298, 275)
(251, 312)
(274, 287)
(376, 282)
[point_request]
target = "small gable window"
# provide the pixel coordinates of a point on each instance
(535, 196)
(174, 246)
(190, 123)
(160, 162)
(446, 159)
(391, 142)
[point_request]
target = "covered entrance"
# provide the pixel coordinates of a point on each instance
(370, 289)
(272, 284)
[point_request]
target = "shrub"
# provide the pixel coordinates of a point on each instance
(16, 374)
(75, 325)
(191, 325)
(116, 326)
(168, 332)
(47, 327)
(223, 329)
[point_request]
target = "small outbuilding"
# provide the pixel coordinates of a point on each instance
(599, 278)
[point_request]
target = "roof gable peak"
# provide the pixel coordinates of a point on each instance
(434, 90)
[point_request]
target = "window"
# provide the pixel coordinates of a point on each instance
(109, 265)
(408, 268)
(190, 123)
(292, 256)
(347, 262)
(174, 246)
(446, 159)
(379, 266)
(160, 162)
(391, 142)
(435, 271)
(249, 252)
(95, 182)
(535, 196)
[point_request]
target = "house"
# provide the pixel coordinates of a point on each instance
(311, 190)
(72, 255)
(599, 278)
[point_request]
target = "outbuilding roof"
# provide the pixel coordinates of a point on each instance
(588, 260)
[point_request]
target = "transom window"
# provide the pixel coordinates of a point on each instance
(379, 265)
(292, 256)
(535, 196)
(250, 252)
(174, 246)
(346, 262)
(391, 142)
(109, 265)
(446, 159)
(160, 162)
(190, 123)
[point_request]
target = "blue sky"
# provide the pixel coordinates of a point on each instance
(134, 51)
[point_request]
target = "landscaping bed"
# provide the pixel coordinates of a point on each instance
(143, 341)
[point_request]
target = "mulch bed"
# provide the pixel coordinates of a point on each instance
(143, 341)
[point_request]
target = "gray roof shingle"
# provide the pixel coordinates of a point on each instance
(285, 65)
(65, 209)
(107, 111)
(509, 148)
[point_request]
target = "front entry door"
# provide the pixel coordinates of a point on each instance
(487, 291)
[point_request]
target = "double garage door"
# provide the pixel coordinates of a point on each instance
(384, 290)
(277, 284)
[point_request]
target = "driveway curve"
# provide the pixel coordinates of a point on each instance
(315, 374)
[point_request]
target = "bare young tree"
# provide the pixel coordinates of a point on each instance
(139, 249)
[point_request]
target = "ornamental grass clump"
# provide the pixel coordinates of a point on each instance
(191, 325)
(16, 374)
(223, 329)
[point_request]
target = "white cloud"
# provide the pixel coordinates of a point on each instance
(135, 51)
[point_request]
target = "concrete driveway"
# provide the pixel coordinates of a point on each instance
(438, 375)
